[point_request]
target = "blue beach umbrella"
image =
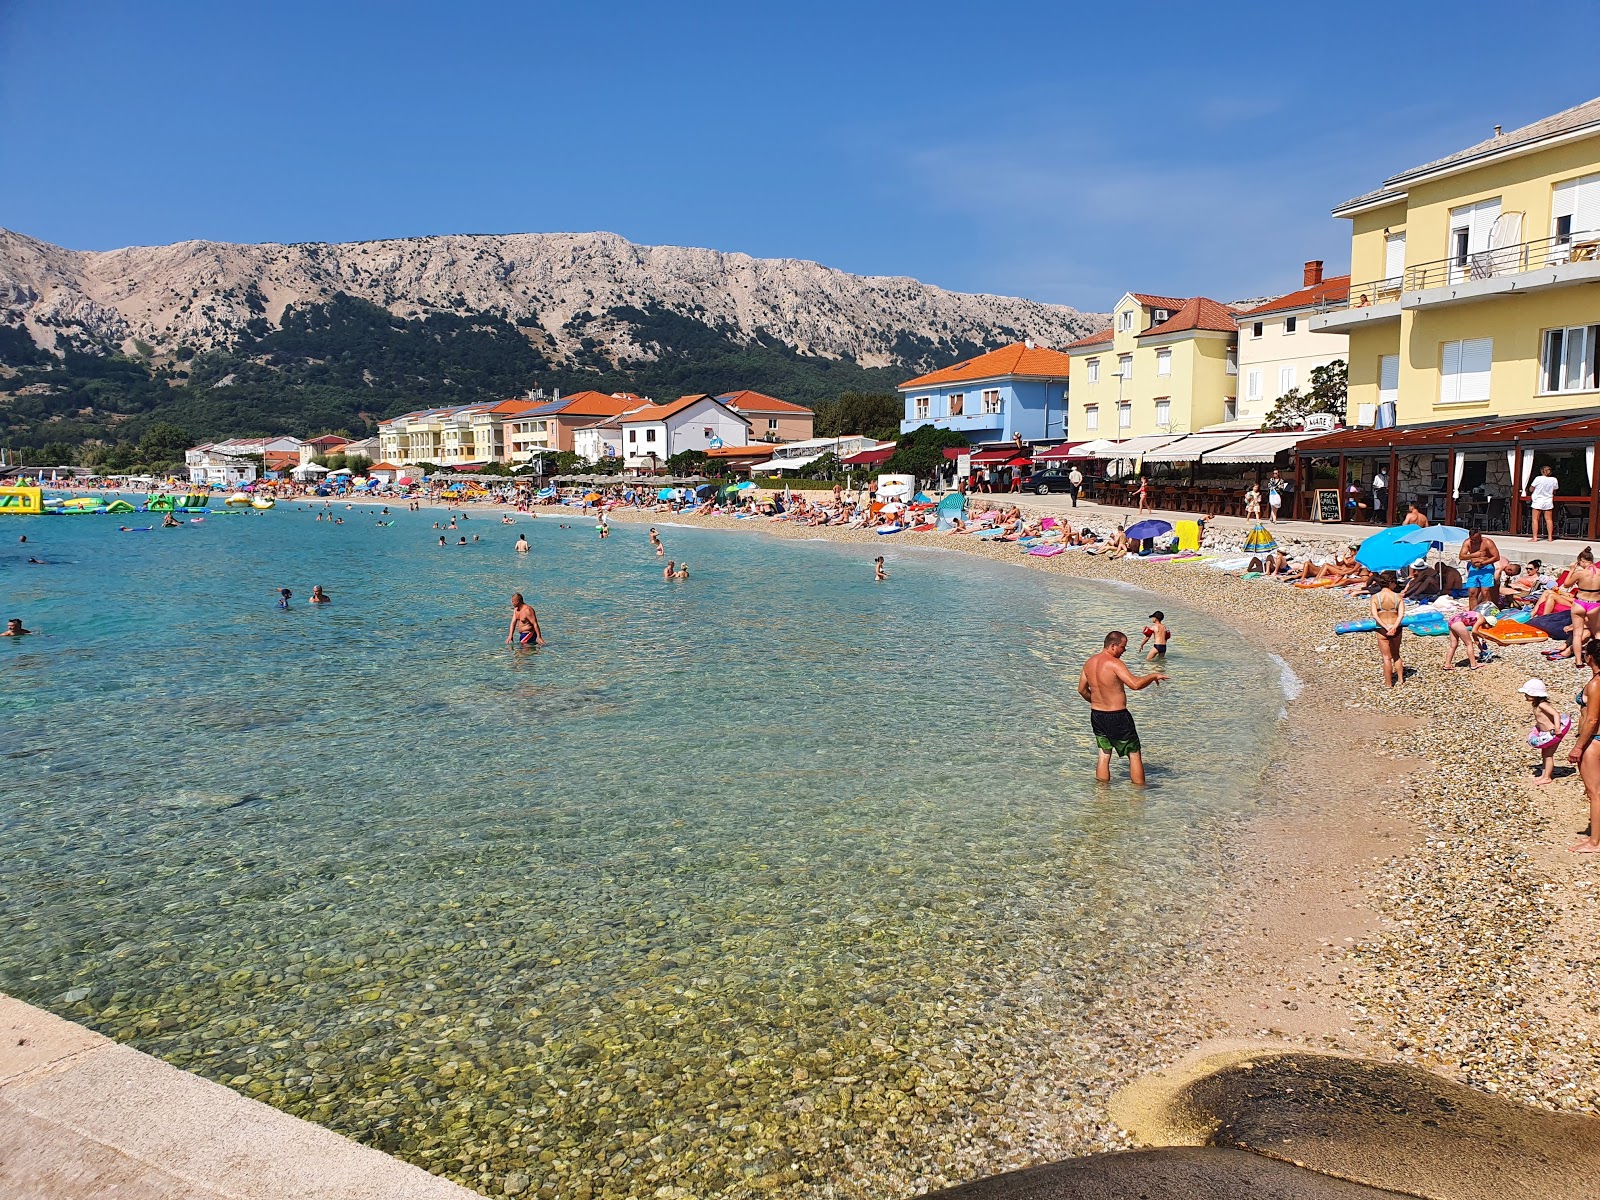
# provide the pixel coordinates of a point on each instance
(1147, 529)
(1437, 535)
(1388, 550)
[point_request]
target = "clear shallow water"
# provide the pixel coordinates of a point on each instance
(768, 879)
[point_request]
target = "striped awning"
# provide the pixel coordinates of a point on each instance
(1192, 447)
(1259, 447)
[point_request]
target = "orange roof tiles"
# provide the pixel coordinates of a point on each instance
(1159, 301)
(1014, 360)
(1195, 313)
(593, 404)
(1329, 291)
(757, 402)
(663, 411)
(1103, 338)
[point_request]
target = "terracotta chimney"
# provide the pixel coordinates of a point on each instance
(1313, 273)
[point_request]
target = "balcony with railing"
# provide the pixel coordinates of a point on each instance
(1462, 278)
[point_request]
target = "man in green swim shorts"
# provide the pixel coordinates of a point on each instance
(1104, 683)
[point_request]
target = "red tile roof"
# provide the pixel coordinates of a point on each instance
(1197, 312)
(1103, 338)
(756, 402)
(1159, 301)
(763, 450)
(1329, 291)
(1014, 360)
(593, 404)
(328, 439)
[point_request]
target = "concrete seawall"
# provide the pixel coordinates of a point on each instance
(83, 1116)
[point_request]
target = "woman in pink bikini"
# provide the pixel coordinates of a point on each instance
(1583, 581)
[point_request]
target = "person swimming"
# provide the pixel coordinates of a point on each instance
(669, 571)
(14, 625)
(318, 596)
(682, 572)
(284, 595)
(879, 574)
(1157, 635)
(522, 543)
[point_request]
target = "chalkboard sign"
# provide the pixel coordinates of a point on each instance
(1327, 506)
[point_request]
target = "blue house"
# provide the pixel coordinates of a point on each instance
(1019, 390)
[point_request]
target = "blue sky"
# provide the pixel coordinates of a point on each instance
(1029, 150)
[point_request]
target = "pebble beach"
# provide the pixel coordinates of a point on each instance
(1472, 955)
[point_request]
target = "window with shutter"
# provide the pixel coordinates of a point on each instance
(1094, 370)
(1464, 369)
(1286, 380)
(1125, 415)
(1163, 362)
(1388, 378)
(1394, 258)
(1091, 417)
(1575, 208)
(1252, 384)
(1164, 413)
(1125, 366)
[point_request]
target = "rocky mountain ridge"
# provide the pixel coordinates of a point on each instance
(575, 296)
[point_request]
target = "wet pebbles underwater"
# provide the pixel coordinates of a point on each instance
(776, 882)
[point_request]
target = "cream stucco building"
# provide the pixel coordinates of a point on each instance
(1166, 365)
(1279, 351)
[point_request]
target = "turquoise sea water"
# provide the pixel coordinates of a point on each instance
(769, 879)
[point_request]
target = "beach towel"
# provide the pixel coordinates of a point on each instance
(1045, 551)
(1505, 631)
(1188, 534)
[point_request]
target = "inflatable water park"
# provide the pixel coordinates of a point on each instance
(29, 501)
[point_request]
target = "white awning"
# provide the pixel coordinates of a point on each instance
(1088, 449)
(781, 464)
(1189, 449)
(1136, 447)
(1258, 447)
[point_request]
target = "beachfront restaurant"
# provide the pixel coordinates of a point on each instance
(1207, 472)
(1469, 473)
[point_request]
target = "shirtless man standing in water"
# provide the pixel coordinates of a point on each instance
(524, 623)
(1103, 684)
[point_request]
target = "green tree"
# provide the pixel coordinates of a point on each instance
(164, 442)
(1330, 393)
(828, 466)
(688, 462)
(867, 414)
(921, 452)
(358, 464)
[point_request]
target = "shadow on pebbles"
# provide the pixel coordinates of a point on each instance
(1270, 1125)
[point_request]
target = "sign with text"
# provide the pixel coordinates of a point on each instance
(1326, 507)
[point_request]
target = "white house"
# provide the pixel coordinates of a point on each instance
(652, 435)
(1277, 349)
(603, 440)
(212, 467)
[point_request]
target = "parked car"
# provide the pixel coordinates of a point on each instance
(1042, 483)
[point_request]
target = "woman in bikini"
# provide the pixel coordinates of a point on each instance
(1388, 609)
(1584, 583)
(1586, 751)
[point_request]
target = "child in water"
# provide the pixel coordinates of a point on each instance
(283, 597)
(1157, 635)
(1549, 727)
(879, 574)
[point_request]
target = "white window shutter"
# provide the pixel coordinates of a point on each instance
(1394, 256)
(1450, 374)
(1477, 355)
(1484, 214)
(1286, 380)
(1586, 205)
(1388, 377)
(1563, 200)
(1252, 385)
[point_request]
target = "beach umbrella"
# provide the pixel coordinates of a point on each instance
(706, 489)
(746, 486)
(591, 497)
(1260, 541)
(1147, 529)
(1436, 535)
(1388, 550)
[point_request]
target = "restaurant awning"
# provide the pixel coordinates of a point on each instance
(995, 458)
(1482, 432)
(869, 458)
(1258, 447)
(1056, 453)
(782, 464)
(1135, 447)
(1190, 448)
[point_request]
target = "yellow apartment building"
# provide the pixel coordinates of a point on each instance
(1166, 365)
(1476, 281)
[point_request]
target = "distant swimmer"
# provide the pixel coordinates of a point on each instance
(879, 574)
(168, 522)
(318, 596)
(284, 595)
(476, 538)
(36, 562)
(14, 625)
(522, 543)
(462, 541)
(1156, 635)
(1103, 683)
(441, 537)
(670, 572)
(655, 540)
(682, 572)
(524, 624)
